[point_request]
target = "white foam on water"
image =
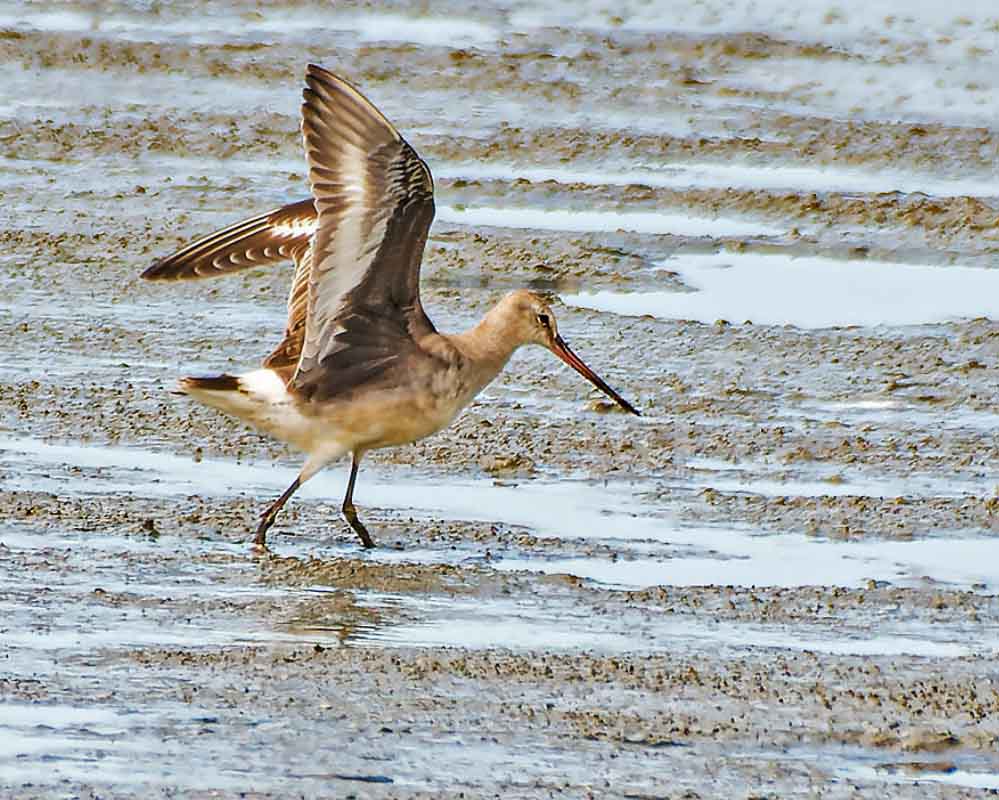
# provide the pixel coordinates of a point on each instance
(808, 292)
(645, 222)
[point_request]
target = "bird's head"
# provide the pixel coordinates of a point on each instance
(531, 321)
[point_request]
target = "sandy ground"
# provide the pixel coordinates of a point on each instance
(779, 582)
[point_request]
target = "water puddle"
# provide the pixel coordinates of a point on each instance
(207, 750)
(484, 624)
(809, 292)
(924, 62)
(882, 411)
(858, 766)
(220, 317)
(718, 557)
(901, 773)
(645, 222)
(769, 480)
(129, 593)
(779, 177)
(129, 92)
(544, 624)
(654, 549)
(944, 32)
(209, 28)
(115, 744)
(450, 31)
(69, 739)
(123, 592)
(186, 173)
(920, 90)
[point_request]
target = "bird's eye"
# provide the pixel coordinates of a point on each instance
(543, 319)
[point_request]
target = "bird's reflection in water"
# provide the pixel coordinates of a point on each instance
(324, 612)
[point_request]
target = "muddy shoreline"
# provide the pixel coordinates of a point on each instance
(779, 582)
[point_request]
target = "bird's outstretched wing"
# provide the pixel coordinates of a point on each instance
(374, 198)
(279, 235)
(263, 240)
(354, 305)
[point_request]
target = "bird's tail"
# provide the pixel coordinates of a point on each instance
(215, 383)
(261, 398)
(256, 397)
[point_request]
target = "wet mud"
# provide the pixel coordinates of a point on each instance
(780, 581)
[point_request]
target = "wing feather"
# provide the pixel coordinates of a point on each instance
(266, 239)
(374, 198)
(354, 306)
(285, 357)
(279, 235)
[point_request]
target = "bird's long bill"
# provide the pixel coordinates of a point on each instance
(561, 349)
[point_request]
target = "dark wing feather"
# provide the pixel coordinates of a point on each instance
(374, 196)
(284, 359)
(261, 241)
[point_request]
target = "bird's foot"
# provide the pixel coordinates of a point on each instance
(260, 540)
(260, 549)
(350, 514)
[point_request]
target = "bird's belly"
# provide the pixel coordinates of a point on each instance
(389, 418)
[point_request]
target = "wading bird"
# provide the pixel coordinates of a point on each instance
(361, 366)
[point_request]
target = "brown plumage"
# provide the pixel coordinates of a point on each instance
(271, 238)
(361, 366)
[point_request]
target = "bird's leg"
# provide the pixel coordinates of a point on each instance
(349, 512)
(267, 518)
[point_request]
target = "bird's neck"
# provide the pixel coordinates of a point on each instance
(487, 347)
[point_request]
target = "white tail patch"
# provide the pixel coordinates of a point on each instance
(261, 399)
(265, 385)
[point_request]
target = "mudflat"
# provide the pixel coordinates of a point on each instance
(773, 231)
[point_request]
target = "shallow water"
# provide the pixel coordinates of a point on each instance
(527, 626)
(635, 221)
(665, 552)
(289, 24)
(777, 176)
(808, 292)
(896, 774)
